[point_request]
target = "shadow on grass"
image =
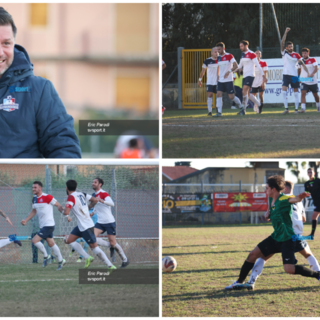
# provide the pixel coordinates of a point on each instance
(223, 269)
(221, 294)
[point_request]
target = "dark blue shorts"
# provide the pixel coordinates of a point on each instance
(109, 227)
(256, 90)
(211, 88)
(226, 87)
(247, 81)
(87, 235)
(316, 208)
(46, 232)
(309, 87)
(293, 81)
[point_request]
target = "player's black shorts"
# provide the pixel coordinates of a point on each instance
(309, 87)
(109, 227)
(256, 90)
(87, 235)
(226, 87)
(300, 245)
(46, 232)
(247, 81)
(211, 88)
(316, 208)
(292, 80)
(287, 248)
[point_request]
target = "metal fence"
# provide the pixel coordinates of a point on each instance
(134, 190)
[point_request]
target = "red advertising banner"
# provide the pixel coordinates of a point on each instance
(240, 201)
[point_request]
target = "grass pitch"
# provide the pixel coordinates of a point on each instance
(210, 258)
(192, 134)
(34, 291)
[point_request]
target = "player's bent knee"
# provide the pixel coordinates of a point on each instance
(289, 268)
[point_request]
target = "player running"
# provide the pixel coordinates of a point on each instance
(42, 207)
(77, 203)
(281, 239)
(313, 187)
(290, 73)
(308, 83)
(106, 221)
(226, 62)
(258, 85)
(210, 64)
(11, 238)
(248, 63)
(298, 218)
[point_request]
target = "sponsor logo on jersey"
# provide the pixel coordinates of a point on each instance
(41, 200)
(9, 104)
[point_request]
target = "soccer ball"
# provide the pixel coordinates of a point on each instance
(169, 264)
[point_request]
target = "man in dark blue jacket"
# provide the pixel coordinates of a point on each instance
(33, 120)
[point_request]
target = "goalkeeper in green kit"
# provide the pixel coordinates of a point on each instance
(281, 239)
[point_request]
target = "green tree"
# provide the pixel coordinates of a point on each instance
(293, 166)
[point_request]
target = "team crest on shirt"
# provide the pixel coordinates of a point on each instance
(40, 200)
(9, 104)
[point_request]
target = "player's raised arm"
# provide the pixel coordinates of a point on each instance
(283, 40)
(29, 217)
(299, 198)
(7, 218)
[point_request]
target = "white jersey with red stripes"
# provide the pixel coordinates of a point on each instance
(43, 205)
(310, 64)
(258, 80)
(289, 63)
(77, 202)
(212, 70)
(103, 210)
(225, 63)
(248, 62)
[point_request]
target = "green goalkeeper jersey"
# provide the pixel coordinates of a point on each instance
(281, 218)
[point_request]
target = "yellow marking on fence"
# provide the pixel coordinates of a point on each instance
(194, 97)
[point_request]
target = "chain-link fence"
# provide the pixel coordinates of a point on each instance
(134, 190)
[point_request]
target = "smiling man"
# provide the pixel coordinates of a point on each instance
(33, 120)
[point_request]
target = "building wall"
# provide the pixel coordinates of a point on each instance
(106, 30)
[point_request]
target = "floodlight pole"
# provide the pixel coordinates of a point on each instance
(276, 21)
(261, 26)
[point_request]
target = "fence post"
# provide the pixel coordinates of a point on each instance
(239, 185)
(201, 186)
(48, 179)
(180, 77)
(202, 218)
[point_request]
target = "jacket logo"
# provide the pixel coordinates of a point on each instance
(9, 104)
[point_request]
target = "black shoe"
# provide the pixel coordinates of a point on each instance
(124, 264)
(260, 108)
(111, 252)
(209, 114)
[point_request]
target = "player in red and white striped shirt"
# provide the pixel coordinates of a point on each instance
(290, 72)
(42, 207)
(248, 63)
(308, 83)
(258, 85)
(77, 204)
(106, 221)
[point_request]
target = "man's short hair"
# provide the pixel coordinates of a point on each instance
(220, 44)
(213, 48)
(245, 42)
(276, 182)
(38, 183)
(100, 181)
(72, 185)
(310, 169)
(289, 185)
(305, 50)
(288, 43)
(6, 19)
